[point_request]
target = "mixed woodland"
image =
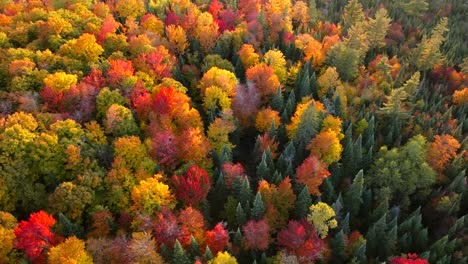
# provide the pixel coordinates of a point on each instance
(233, 131)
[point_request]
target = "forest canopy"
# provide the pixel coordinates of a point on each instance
(233, 131)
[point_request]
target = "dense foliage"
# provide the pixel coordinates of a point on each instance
(233, 131)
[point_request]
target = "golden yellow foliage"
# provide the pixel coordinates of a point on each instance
(60, 81)
(460, 97)
(265, 118)
(223, 258)
(215, 96)
(248, 56)
(276, 60)
(322, 216)
(177, 38)
(151, 194)
(326, 146)
(71, 251)
(221, 78)
(333, 123)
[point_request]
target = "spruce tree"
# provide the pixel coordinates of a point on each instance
(179, 255)
(337, 245)
(258, 208)
(240, 215)
(194, 248)
(208, 254)
(353, 197)
(278, 101)
(303, 203)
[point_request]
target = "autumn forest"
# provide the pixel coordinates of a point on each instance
(233, 131)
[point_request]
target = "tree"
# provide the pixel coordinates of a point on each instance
(265, 79)
(353, 197)
(306, 121)
(193, 186)
(129, 8)
(303, 203)
(151, 194)
(71, 251)
(193, 221)
(221, 78)
(311, 173)
(377, 28)
(60, 81)
(7, 225)
(119, 71)
(300, 239)
(158, 63)
(179, 255)
(460, 97)
(326, 146)
(84, 48)
(266, 118)
(404, 171)
(71, 199)
(223, 258)
(427, 53)
(105, 99)
(322, 216)
(217, 238)
(206, 31)
(177, 38)
(248, 56)
(167, 229)
(258, 208)
(218, 133)
(409, 259)
(279, 200)
(441, 151)
(276, 60)
(352, 14)
(119, 121)
(35, 236)
(256, 235)
(142, 249)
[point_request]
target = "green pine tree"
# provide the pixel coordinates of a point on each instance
(258, 208)
(303, 202)
(240, 215)
(353, 197)
(179, 255)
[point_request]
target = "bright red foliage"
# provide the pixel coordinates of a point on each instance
(34, 236)
(164, 101)
(411, 259)
(194, 222)
(231, 172)
(78, 102)
(164, 148)
(266, 81)
(217, 238)
(193, 186)
(256, 235)
(95, 78)
(301, 240)
(167, 229)
(312, 172)
(118, 71)
(141, 102)
(159, 63)
(108, 26)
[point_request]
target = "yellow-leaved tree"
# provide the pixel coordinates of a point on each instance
(322, 216)
(71, 251)
(151, 194)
